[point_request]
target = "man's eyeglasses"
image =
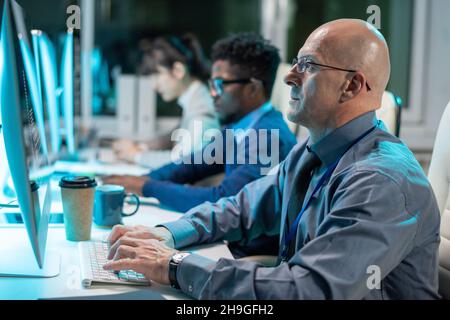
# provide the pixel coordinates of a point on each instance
(302, 65)
(217, 84)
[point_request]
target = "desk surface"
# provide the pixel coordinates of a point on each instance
(68, 283)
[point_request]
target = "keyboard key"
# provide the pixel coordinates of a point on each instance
(97, 253)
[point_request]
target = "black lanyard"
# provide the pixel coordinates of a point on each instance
(292, 232)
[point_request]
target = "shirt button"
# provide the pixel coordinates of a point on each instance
(190, 288)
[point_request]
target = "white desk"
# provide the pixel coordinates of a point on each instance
(68, 283)
(105, 160)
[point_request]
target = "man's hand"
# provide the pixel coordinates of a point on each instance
(130, 183)
(127, 149)
(122, 144)
(119, 233)
(149, 257)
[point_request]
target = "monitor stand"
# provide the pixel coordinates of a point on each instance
(16, 218)
(22, 264)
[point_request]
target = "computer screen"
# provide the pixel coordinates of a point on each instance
(30, 72)
(49, 77)
(30, 167)
(58, 92)
(4, 169)
(2, 145)
(67, 82)
(5, 198)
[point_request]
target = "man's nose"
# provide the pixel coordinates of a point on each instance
(293, 78)
(213, 93)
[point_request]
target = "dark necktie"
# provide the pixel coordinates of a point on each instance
(298, 193)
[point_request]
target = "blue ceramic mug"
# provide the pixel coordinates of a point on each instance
(108, 205)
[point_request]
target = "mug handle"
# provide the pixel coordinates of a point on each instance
(138, 204)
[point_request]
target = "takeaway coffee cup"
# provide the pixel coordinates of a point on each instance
(108, 205)
(77, 193)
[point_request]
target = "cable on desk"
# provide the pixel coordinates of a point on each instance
(9, 205)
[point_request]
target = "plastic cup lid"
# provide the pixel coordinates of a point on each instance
(77, 182)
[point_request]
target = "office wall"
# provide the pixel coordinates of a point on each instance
(420, 52)
(430, 74)
(429, 84)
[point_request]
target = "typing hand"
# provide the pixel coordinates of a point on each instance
(122, 144)
(126, 149)
(149, 257)
(130, 183)
(121, 234)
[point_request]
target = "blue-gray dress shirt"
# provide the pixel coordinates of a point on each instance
(371, 232)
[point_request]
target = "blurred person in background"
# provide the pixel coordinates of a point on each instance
(180, 72)
(243, 74)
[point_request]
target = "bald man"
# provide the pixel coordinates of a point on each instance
(354, 211)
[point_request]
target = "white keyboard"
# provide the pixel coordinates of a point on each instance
(98, 168)
(93, 255)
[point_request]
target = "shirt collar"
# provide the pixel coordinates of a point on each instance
(186, 97)
(333, 145)
(250, 119)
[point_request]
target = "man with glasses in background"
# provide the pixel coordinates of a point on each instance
(243, 74)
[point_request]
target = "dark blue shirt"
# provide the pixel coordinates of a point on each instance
(371, 232)
(172, 184)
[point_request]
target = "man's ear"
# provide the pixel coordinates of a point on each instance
(353, 87)
(179, 70)
(257, 87)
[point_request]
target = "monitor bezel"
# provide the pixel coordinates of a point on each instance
(13, 132)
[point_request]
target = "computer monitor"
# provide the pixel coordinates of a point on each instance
(27, 162)
(4, 169)
(6, 188)
(7, 194)
(48, 69)
(30, 72)
(101, 87)
(3, 161)
(67, 80)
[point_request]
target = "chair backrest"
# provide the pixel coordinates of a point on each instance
(389, 113)
(439, 175)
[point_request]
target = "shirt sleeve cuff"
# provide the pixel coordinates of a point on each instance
(147, 189)
(183, 232)
(193, 273)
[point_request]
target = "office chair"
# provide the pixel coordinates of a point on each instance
(439, 176)
(390, 112)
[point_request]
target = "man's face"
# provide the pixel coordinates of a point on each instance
(315, 92)
(229, 101)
